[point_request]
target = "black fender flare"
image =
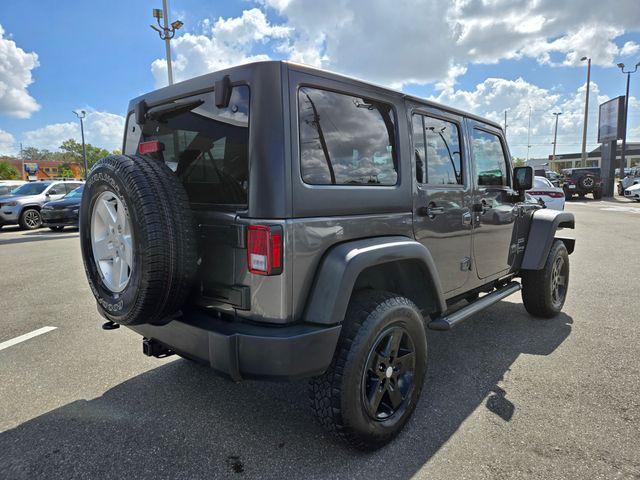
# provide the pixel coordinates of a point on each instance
(343, 263)
(542, 233)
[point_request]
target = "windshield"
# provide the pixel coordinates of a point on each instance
(77, 193)
(30, 189)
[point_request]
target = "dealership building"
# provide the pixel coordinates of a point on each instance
(574, 160)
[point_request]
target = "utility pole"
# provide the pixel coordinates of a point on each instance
(586, 113)
(555, 136)
(22, 159)
(529, 135)
(81, 114)
(623, 158)
(166, 33)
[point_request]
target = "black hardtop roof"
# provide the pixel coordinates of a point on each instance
(198, 83)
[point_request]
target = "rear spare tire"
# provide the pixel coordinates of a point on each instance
(138, 239)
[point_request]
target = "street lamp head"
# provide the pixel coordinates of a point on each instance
(583, 59)
(80, 113)
(177, 25)
(157, 13)
(621, 65)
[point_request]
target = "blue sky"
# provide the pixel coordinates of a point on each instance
(485, 56)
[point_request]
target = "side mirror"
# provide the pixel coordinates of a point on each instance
(522, 178)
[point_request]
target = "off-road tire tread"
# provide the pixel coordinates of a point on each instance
(534, 285)
(169, 233)
(324, 390)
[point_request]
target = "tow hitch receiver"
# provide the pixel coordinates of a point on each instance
(152, 348)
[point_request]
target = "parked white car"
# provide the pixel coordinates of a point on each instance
(543, 189)
(7, 186)
(633, 192)
(631, 179)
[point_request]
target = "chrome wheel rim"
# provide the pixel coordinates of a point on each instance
(32, 218)
(112, 241)
(558, 281)
(588, 182)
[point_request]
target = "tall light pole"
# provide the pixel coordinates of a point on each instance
(623, 157)
(81, 114)
(166, 33)
(529, 135)
(586, 113)
(555, 136)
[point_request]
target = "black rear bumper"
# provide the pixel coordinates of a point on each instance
(242, 350)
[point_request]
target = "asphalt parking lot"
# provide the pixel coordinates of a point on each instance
(506, 396)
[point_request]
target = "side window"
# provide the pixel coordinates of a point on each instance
(346, 140)
(437, 150)
(4, 190)
(59, 188)
(489, 159)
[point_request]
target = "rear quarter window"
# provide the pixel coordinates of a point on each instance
(346, 139)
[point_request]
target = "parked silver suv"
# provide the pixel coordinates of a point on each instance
(23, 205)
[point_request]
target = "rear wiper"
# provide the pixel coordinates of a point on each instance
(171, 109)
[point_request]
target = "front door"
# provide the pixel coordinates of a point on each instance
(495, 208)
(442, 215)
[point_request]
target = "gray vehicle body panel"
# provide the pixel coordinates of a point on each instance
(342, 265)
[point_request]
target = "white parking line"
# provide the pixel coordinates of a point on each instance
(26, 336)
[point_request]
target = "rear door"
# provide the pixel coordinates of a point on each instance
(208, 149)
(495, 207)
(442, 215)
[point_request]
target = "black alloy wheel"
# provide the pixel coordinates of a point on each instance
(388, 378)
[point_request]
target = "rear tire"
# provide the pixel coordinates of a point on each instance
(30, 219)
(544, 291)
(156, 255)
(371, 388)
(567, 194)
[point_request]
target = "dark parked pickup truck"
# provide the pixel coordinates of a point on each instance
(277, 221)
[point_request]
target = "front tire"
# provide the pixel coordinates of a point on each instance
(544, 291)
(30, 219)
(373, 384)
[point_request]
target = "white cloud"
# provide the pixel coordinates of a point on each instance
(15, 77)
(101, 129)
(495, 95)
(424, 41)
(228, 42)
(629, 48)
(7, 143)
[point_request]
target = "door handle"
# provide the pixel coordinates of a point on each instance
(433, 210)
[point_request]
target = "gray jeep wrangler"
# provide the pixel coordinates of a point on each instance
(277, 221)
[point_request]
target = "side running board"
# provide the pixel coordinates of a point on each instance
(446, 322)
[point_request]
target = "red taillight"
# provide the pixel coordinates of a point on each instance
(569, 181)
(556, 194)
(150, 147)
(534, 193)
(264, 249)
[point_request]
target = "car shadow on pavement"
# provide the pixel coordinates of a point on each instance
(179, 420)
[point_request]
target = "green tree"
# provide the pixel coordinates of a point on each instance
(8, 172)
(33, 154)
(73, 150)
(65, 171)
